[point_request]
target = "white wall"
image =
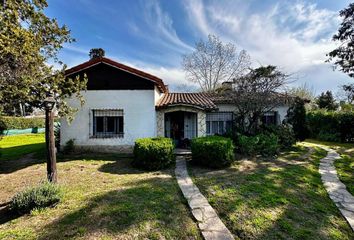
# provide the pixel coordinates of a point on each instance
(139, 116)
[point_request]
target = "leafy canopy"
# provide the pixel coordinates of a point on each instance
(327, 101)
(343, 56)
(29, 41)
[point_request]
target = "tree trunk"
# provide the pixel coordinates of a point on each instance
(50, 144)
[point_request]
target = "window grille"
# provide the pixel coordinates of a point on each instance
(219, 122)
(107, 123)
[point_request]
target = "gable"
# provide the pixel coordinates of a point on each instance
(106, 74)
(105, 77)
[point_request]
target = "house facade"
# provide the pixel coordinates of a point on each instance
(123, 103)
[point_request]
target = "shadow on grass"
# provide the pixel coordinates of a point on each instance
(154, 204)
(274, 201)
(16, 158)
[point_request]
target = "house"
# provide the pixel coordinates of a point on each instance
(123, 103)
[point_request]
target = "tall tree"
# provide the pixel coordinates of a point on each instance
(96, 53)
(29, 40)
(343, 56)
(327, 101)
(296, 116)
(348, 91)
(214, 62)
(255, 94)
(303, 91)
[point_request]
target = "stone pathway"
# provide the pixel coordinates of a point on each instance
(209, 223)
(335, 188)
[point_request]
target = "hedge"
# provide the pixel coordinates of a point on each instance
(7, 123)
(212, 151)
(153, 153)
(331, 125)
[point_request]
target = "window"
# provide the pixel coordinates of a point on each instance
(107, 123)
(218, 122)
(270, 118)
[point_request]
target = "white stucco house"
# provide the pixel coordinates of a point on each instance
(123, 103)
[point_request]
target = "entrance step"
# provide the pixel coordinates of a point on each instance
(182, 152)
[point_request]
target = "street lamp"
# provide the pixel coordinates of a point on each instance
(48, 104)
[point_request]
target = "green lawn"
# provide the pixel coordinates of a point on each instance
(345, 165)
(279, 198)
(104, 198)
(15, 147)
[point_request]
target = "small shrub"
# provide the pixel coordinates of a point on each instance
(247, 145)
(153, 153)
(284, 132)
(44, 195)
(264, 144)
(212, 151)
(69, 146)
(7, 123)
(268, 145)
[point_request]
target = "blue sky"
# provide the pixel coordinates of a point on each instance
(152, 35)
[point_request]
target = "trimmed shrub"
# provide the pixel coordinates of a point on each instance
(212, 151)
(153, 153)
(7, 123)
(331, 126)
(44, 195)
(264, 144)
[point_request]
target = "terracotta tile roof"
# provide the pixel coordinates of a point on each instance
(108, 61)
(200, 100)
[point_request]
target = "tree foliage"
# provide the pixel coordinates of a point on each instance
(343, 56)
(327, 101)
(296, 116)
(255, 94)
(97, 53)
(214, 62)
(29, 41)
(349, 92)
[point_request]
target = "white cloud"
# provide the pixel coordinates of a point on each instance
(294, 36)
(159, 26)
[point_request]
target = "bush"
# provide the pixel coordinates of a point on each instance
(284, 132)
(153, 153)
(331, 125)
(264, 144)
(296, 116)
(7, 123)
(212, 151)
(41, 196)
(69, 146)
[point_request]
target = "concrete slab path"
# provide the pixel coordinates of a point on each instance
(335, 188)
(209, 223)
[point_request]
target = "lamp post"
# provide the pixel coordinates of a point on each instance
(49, 103)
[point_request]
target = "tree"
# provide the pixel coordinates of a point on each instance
(296, 116)
(303, 91)
(327, 101)
(255, 94)
(348, 91)
(214, 62)
(96, 53)
(343, 56)
(28, 41)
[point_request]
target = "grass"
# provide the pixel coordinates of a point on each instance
(17, 146)
(345, 165)
(279, 198)
(103, 198)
